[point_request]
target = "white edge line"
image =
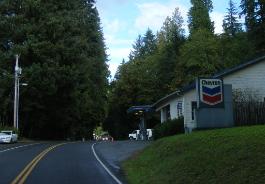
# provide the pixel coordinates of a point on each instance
(104, 166)
(18, 147)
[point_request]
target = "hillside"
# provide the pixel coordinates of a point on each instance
(234, 155)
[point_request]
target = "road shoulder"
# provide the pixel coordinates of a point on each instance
(113, 153)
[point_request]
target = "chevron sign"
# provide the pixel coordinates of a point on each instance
(211, 91)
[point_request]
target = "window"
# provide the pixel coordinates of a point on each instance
(166, 113)
(193, 109)
(179, 109)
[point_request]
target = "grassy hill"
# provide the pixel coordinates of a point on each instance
(234, 155)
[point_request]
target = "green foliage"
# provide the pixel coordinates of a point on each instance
(132, 87)
(8, 128)
(248, 9)
(198, 16)
(143, 46)
(254, 13)
(98, 131)
(170, 39)
(134, 84)
(233, 50)
(161, 64)
(63, 57)
(233, 155)
(200, 56)
(169, 128)
(231, 23)
(146, 77)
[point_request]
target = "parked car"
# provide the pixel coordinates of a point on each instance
(134, 135)
(8, 136)
(106, 137)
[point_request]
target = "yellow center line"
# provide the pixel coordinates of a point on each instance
(21, 178)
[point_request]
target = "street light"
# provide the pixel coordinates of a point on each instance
(18, 94)
(18, 72)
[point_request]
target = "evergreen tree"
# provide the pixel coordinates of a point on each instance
(231, 25)
(198, 16)
(234, 50)
(234, 45)
(170, 39)
(254, 13)
(143, 46)
(172, 30)
(199, 56)
(64, 62)
(133, 85)
(248, 9)
(149, 41)
(137, 48)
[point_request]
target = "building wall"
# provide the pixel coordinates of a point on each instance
(162, 115)
(250, 80)
(188, 98)
(162, 111)
(173, 109)
(217, 117)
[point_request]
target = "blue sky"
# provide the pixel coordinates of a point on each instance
(123, 20)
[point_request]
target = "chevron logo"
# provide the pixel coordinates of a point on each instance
(211, 92)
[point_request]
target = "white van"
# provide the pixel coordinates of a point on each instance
(135, 135)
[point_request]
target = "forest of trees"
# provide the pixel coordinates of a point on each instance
(63, 57)
(162, 62)
(62, 53)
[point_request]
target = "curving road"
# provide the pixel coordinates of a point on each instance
(53, 163)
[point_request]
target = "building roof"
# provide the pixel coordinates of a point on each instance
(221, 74)
(143, 108)
(166, 98)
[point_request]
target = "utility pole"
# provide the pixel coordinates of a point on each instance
(16, 92)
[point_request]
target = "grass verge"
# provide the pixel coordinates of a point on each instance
(234, 155)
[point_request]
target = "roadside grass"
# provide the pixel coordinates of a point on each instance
(232, 155)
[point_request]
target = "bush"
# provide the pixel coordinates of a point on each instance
(8, 128)
(168, 128)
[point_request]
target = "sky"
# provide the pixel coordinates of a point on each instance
(123, 20)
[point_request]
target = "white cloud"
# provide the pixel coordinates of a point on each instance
(217, 17)
(119, 53)
(111, 40)
(113, 68)
(153, 14)
(115, 56)
(112, 26)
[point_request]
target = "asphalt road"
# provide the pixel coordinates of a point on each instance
(52, 163)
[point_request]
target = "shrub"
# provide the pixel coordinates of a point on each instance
(168, 128)
(8, 128)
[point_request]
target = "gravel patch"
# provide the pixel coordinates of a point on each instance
(115, 152)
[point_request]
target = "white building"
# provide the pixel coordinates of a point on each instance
(247, 79)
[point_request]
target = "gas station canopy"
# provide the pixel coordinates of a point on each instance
(141, 109)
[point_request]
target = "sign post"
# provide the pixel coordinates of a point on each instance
(210, 93)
